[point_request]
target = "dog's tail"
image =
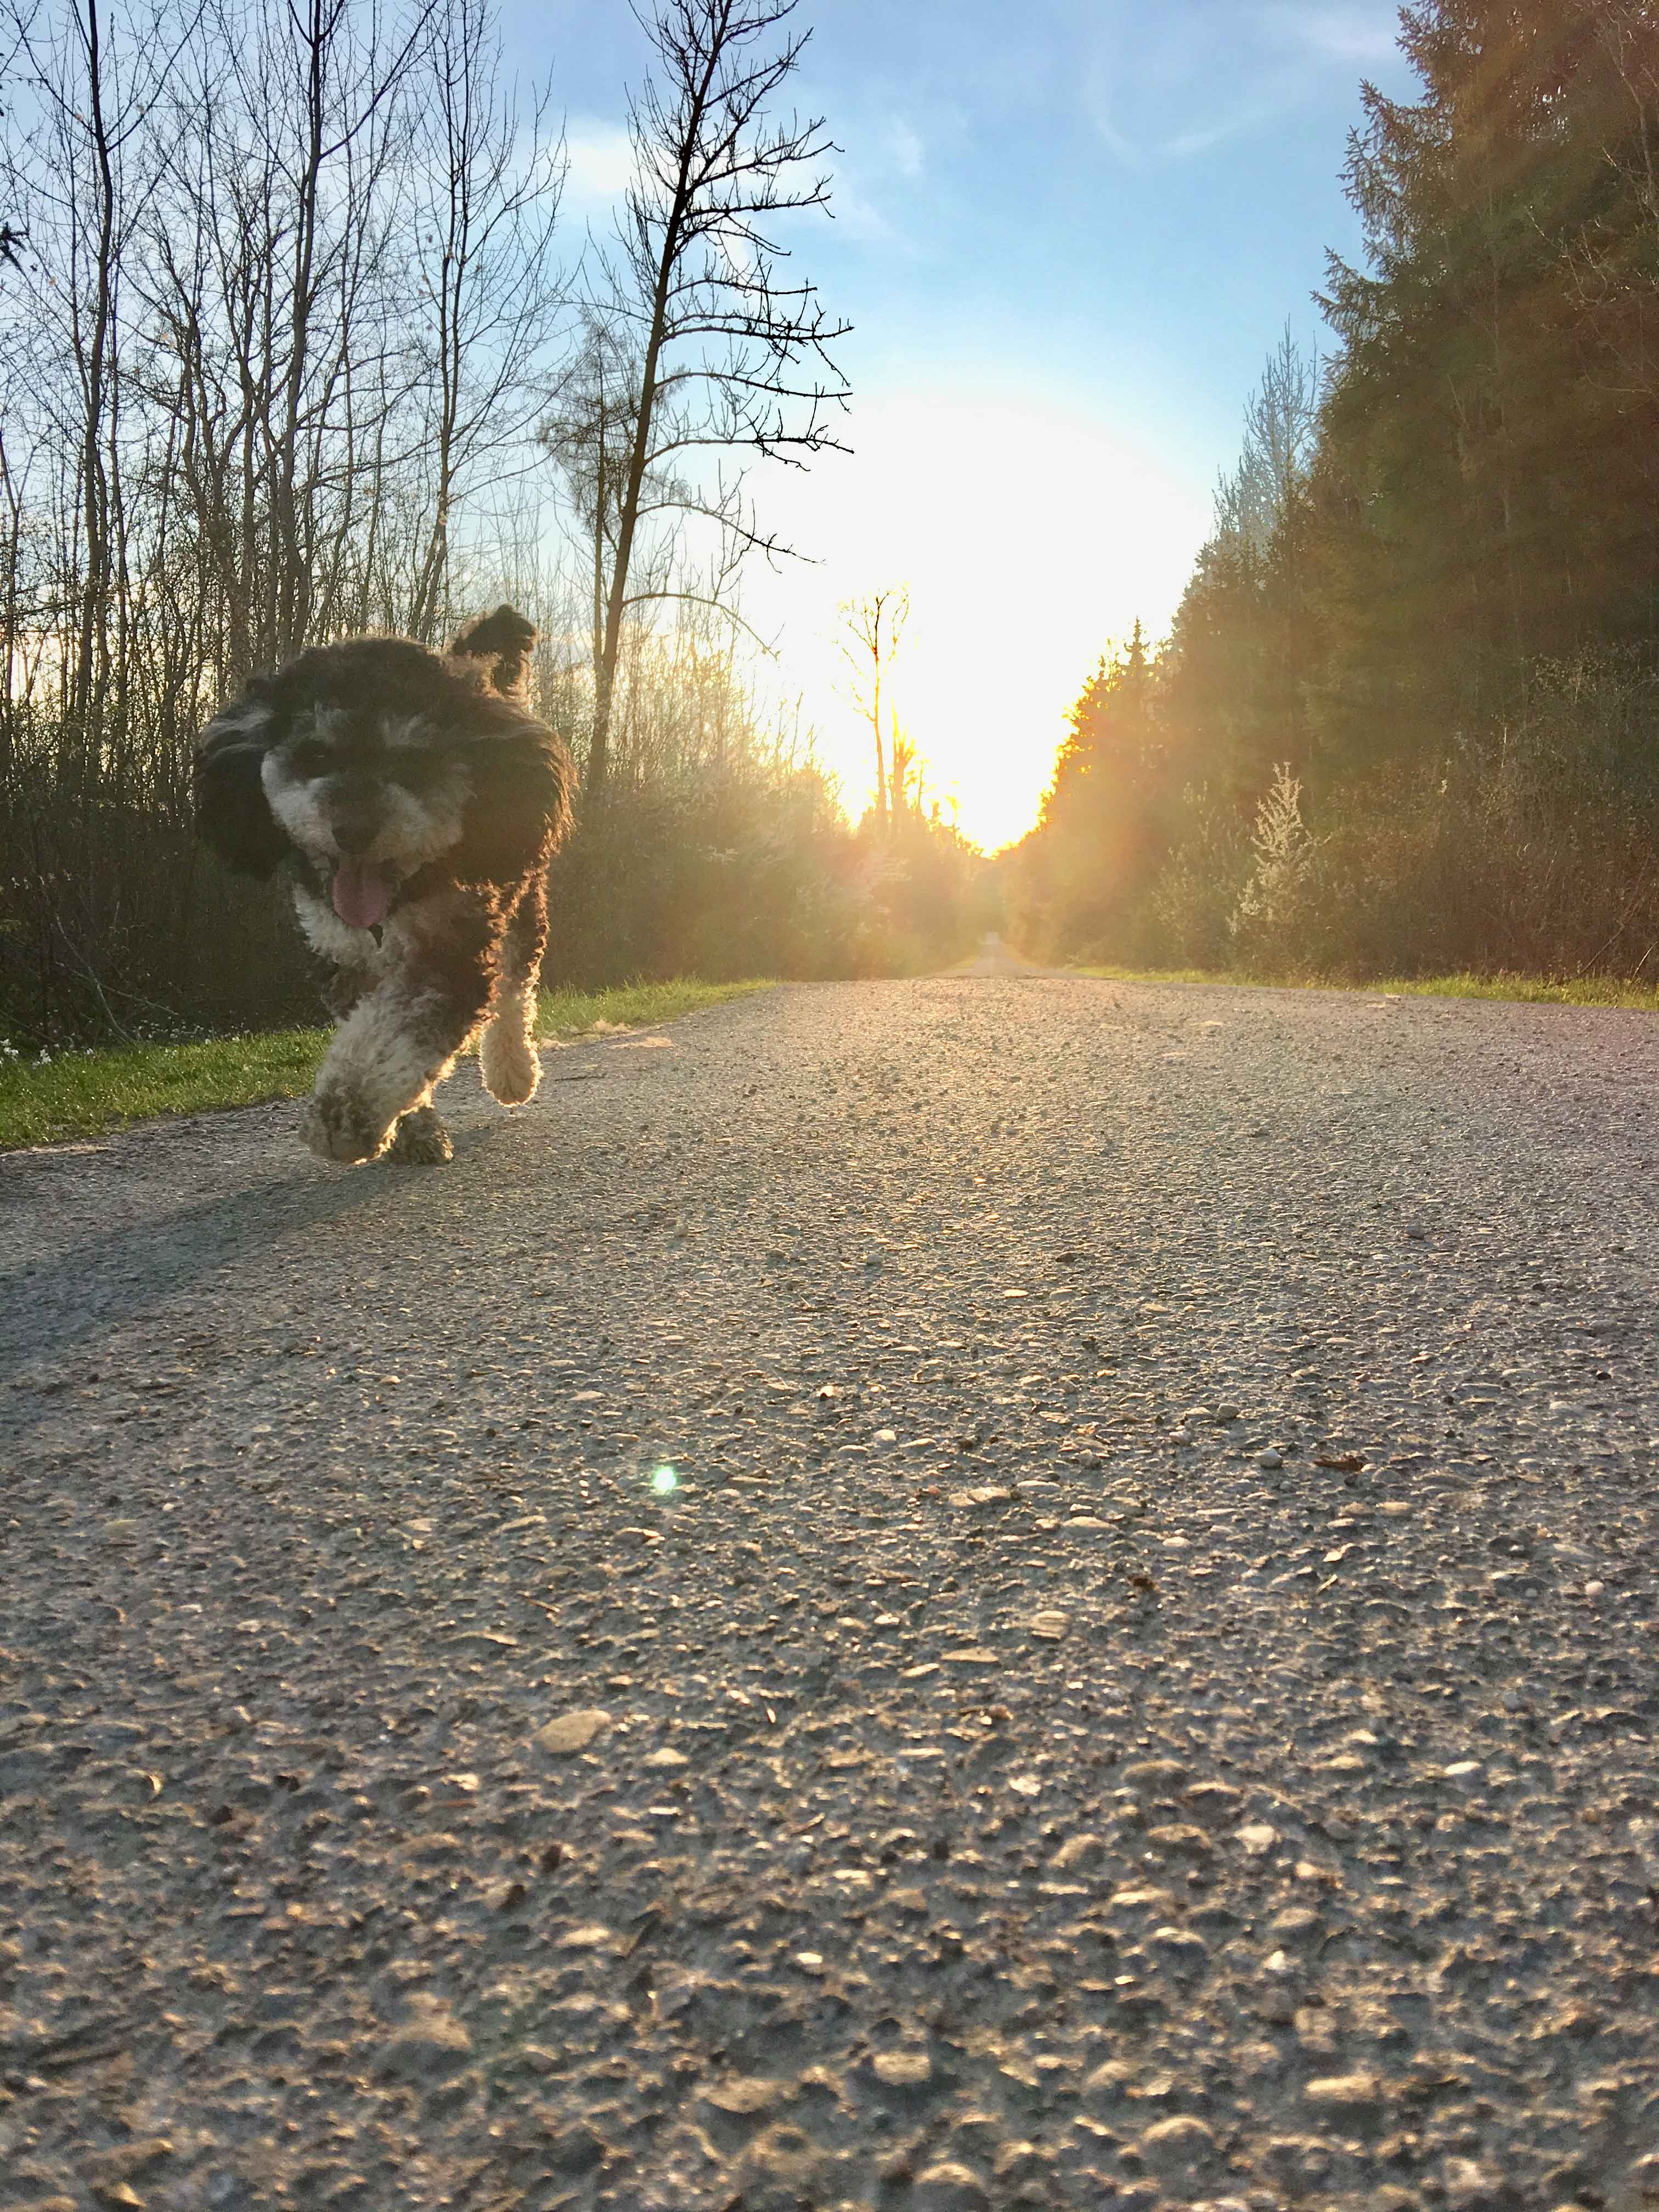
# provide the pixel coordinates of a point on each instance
(494, 652)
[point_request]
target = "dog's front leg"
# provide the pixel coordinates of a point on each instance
(437, 980)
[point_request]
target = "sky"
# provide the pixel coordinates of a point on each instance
(1067, 233)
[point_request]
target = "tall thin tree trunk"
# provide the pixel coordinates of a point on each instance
(599, 758)
(91, 642)
(291, 609)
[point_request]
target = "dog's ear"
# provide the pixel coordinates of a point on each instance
(494, 652)
(233, 815)
(520, 805)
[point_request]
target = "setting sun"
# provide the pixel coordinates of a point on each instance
(1028, 539)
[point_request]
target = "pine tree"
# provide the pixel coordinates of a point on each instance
(1504, 490)
(1100, 836)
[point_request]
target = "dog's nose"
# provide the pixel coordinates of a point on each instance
(354, 833)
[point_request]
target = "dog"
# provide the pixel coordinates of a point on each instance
(416, 801)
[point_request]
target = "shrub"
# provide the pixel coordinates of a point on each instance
(1196, 891)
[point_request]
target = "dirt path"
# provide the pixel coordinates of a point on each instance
(977, 1593)
(993, 958)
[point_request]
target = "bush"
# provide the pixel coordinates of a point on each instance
(1533, 852)
(1532, 849)
(115, 926)
(749, 875)
(1195, 894)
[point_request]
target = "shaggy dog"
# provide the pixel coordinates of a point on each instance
(417, 802)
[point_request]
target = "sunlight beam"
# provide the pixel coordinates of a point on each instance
(1029, 539)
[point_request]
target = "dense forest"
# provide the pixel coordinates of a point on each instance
(293, 344)
(1406, 720)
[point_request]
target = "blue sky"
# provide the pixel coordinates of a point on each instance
(1067, 236)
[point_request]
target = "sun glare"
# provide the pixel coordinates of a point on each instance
(1029, 541)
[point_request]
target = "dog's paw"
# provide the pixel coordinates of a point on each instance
(338, 1125)
(508, 1063)
(421, 1141)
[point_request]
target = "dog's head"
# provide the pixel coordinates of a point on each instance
(375, 760)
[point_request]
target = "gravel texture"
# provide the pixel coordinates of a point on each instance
(1142, 1693)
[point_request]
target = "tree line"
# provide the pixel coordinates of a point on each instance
(291, 347)
(1406, 720)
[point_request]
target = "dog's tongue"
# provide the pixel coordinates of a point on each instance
(362, 895)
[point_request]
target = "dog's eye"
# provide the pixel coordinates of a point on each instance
(308, 757)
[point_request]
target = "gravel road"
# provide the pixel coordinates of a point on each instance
(1140, 1692)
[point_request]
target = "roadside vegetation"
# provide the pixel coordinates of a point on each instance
(1406, 723)
(50, 1099)
(450, 396)
(1406, 720)
(1524, 990)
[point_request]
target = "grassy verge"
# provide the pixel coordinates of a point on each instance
(633, 1005)
(84, 1093)
(1536, 990)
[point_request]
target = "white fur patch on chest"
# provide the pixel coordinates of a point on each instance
(334, 939)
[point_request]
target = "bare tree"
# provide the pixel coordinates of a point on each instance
(12, 239)
(589, 437)
(1281, 421)
(278, 285)
(343, 78)
(277, 352)
(489, 204)
(874, 630)
(92, 100)
(731, 361)
(907, 777)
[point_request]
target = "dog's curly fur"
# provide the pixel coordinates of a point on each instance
(416, 801)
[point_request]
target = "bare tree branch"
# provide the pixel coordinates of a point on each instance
(697, 247)
(874, 630)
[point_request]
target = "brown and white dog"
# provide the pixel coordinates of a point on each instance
(417, 802)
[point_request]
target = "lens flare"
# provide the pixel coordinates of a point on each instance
(663, 1480)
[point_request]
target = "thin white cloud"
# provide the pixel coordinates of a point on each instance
(1116, 142)
(857, 213)
(1187, 93)
(1186, 143)
(885, 171)
(1364, 35)
(904, 145)
(601, 157)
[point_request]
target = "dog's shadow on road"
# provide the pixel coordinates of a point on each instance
(59, 1299)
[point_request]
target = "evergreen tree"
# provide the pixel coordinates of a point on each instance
(1430, 604)
(1506, 492)
(1097, 842)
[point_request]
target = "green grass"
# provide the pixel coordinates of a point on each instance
(1534, 990)
(85, 1094)
(633, 1005)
